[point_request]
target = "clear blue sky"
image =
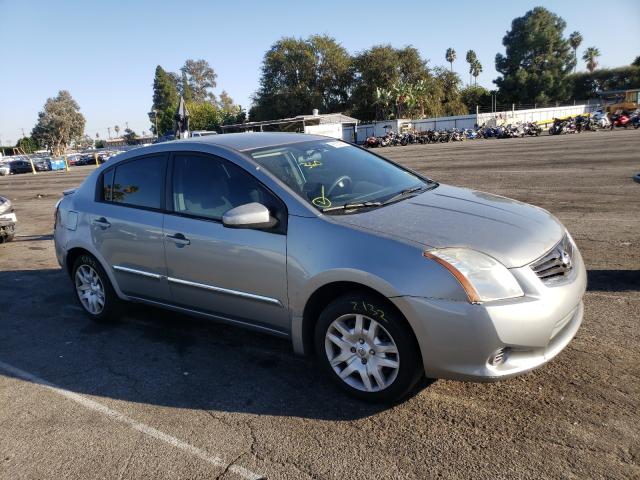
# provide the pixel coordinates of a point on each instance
(105, 53)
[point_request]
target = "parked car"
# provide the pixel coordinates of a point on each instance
(20, 166)
(385, 274)
(7, 220)
(42, 164)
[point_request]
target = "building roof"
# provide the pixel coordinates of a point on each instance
(319, 119)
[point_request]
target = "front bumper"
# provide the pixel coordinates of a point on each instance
(458, 340)
(7, 225)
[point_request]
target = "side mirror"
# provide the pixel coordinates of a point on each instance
(250, 215)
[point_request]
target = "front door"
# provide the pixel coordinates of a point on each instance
(236, 274)
(126, 226)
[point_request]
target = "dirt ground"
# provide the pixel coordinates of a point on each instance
(204, 401)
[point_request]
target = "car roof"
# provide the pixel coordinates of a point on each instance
(253, 140)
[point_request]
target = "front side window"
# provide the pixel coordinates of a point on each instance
(207, 186)
(333, 174)
(139, 183)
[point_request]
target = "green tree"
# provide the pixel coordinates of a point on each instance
(117, 130)
(451, 100)
(450, 56)
(165, 102)
(204, 116)
(226, 102)
(428, 95)
(299, 75)
(575, 39)
(590, 56)
(636, 62)
(475, 95)
(471, 58)
(27, 144)
(586, 85)
(383, 66)
(537, 59)
(59, 123)
(130, 136)
(185, 88)
(201, 79)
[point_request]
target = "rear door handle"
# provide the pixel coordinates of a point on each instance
(101, 222)
(179, 239)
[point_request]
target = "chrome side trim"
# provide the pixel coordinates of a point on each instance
(220, 318)
(137, 272)
(237, 293)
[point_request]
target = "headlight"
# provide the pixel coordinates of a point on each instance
(482, 277)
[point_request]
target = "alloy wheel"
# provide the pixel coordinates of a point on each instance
(90, 289)
(362, 352)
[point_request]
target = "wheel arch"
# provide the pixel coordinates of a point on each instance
(74, 252)
(328, 292)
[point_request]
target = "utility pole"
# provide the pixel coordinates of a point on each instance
(109, 131)
(126, 125)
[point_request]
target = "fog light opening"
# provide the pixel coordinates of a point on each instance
(499, 356)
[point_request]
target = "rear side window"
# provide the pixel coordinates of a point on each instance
(139, 183)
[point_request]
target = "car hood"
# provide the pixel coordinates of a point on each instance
(512, 232)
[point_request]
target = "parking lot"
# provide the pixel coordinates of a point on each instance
(160, 395)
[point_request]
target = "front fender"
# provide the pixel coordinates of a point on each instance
(320, 252)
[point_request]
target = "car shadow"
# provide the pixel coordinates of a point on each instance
(613, 280)
(153, 356)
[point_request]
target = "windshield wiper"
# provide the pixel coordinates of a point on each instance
(404, 193)
(350, 206)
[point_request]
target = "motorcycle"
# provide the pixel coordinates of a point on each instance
(620, 119)
(372, 142)
(600, 119)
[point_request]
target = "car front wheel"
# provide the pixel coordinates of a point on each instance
(365, 346)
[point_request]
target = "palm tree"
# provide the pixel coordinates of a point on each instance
(117, 129)
(476, 69)
(590, 56)
(471, 59)
(575, 39)
(451, 56)
(423, 93)
(402, 95)
(383, 100)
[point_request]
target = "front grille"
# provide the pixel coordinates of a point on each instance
(556, 264)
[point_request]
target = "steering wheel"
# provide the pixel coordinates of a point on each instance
(344, 179)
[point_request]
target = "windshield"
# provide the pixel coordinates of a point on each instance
(331, 174)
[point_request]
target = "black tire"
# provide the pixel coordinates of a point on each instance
(112, 304)
(410, 363)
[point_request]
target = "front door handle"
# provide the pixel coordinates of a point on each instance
(101, 222)
(179, 239)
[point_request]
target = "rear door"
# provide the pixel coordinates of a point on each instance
(237, 274)
(126, 225)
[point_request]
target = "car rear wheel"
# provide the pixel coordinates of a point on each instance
(93, 289)
(367, 348)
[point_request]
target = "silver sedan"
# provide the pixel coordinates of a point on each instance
(384, 274)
